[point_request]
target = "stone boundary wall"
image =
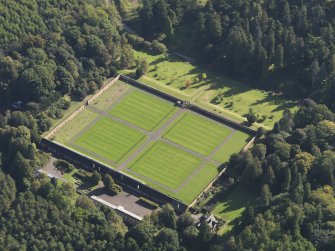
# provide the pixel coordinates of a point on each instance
(123, 179)
(251, 142)
(101, 91)
(207, 188)
(246, 148)
(193, 107)
(81, 108)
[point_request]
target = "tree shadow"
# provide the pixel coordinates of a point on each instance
(284, 106)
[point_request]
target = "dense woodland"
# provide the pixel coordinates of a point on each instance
(284, 45)
(53, 50)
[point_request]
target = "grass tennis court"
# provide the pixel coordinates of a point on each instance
(109, 139)
(142, 109)
(197, 133)
(166, 164)
(173, 150)
(233, 145)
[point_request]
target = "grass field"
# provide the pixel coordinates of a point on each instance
(74, 126)
(167, 157)
(109, 139)
(142, 109)
(192, 188)
(233, 145)
(197, 133)
(232, 206)
(166, 164)
(170, 73)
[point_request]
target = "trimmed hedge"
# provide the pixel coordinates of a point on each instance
(149, 202)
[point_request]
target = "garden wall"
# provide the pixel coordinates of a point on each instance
(81, 108)
(126, 181)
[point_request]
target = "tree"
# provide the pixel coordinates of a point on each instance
(286, 122)
(158, 47)
(259, 151)
(142, 68)
(251, 117)
(7, 191)
(142, 232)
(287, 181)
(167, 217)
(279, 57)
(332, 65)
(86, 203)
(205, 234)
(127, 56)
(168, 238)
(265, 198)
(108, 182)
(185, 220)
(38, 80)
(95, 177)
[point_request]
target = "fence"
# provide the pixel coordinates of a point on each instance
(84, 161)
(80, 109)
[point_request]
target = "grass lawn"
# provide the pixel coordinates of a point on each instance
(233, 145)
(112, 95)
(142, 109)
(166, 164)
(197, 133)
(109, 139)
(233, 205)
(198, 183)
(170, 73)
(65, 134)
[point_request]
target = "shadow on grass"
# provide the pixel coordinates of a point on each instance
(284, 106)
(236, 199)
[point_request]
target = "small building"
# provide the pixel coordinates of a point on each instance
(210, 220)
(183, 104)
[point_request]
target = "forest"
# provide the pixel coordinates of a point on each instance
(280, 45)
(52, 52)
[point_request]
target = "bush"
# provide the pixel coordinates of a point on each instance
(158, 47)
(115, 189)
(95, 178)
(251, 117)
(111, 186)
(149, 202)
(83, 175)
(142, 68)
(63, 166)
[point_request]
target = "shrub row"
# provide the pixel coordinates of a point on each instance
(149, 202)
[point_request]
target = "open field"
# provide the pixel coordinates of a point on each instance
(173, 150)
(142, 109)
(170, 73)
(197, 133)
